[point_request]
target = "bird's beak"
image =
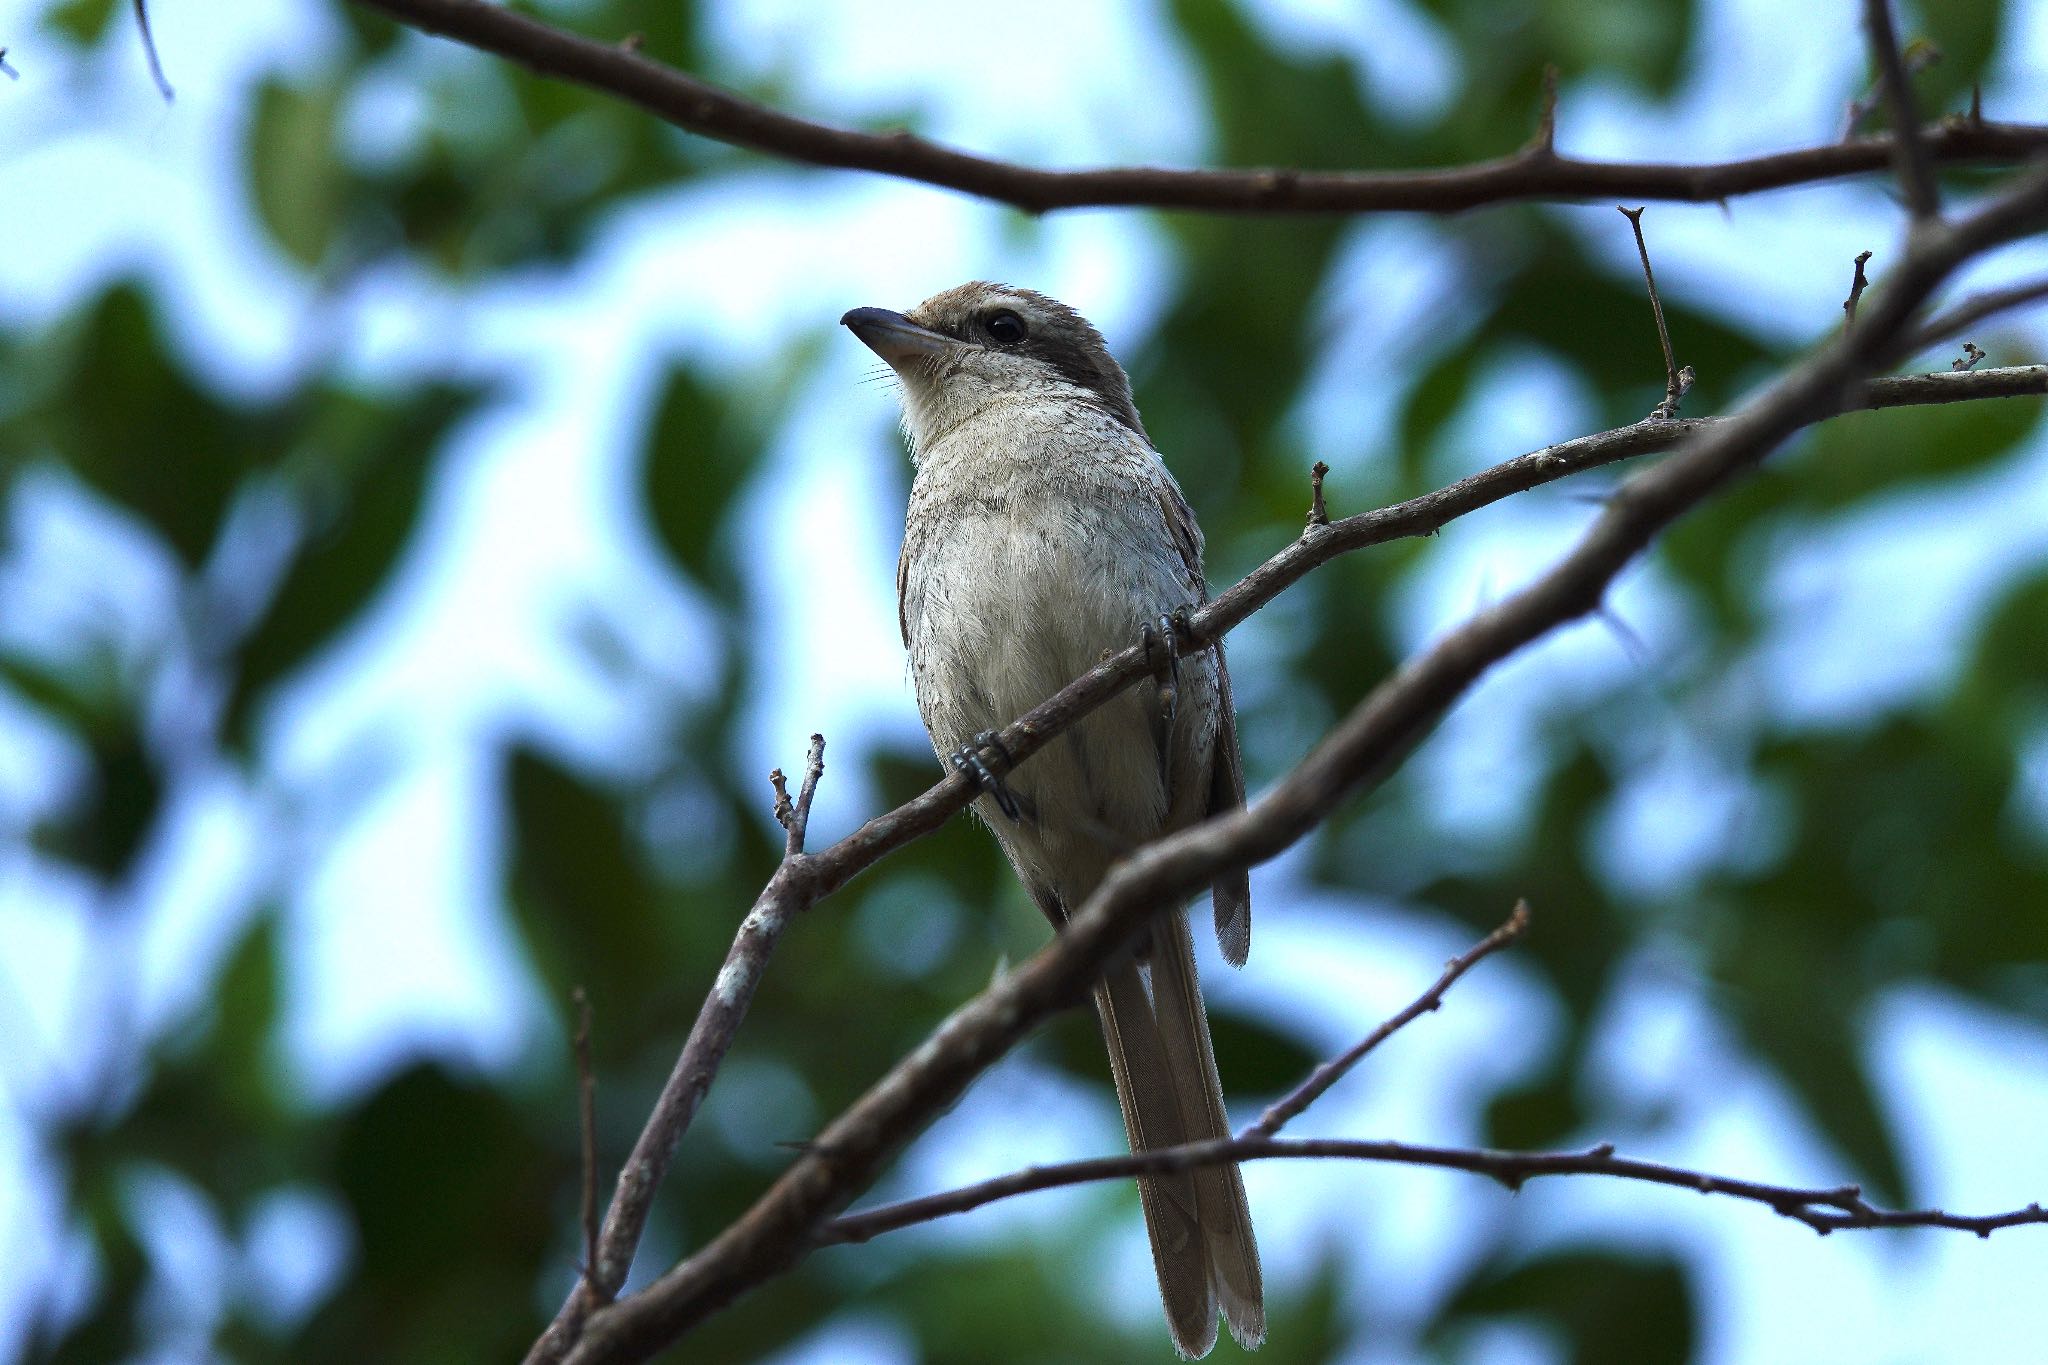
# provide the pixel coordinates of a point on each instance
(894, 337)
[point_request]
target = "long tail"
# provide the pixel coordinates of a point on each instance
(1165, 1070)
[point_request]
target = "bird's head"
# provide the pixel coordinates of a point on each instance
(979, 344)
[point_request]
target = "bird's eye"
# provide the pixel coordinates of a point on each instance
(1004, 328)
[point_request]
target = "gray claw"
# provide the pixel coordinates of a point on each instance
(968, 760)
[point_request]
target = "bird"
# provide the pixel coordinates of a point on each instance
(1042, 530)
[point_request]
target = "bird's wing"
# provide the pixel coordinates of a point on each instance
(1232, 893)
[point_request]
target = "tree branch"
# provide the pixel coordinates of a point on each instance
(1535, 172)
(1319, 1081)
(610, 1258)
(802, 882)
(1828, 1209)
(1365, 746)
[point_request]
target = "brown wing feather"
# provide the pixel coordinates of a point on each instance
(1232, 894)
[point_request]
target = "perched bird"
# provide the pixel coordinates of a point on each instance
(1043, 530)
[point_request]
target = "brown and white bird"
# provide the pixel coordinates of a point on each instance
(1043, 530)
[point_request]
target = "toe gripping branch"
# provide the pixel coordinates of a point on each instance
(968, 759)
(1164, 639)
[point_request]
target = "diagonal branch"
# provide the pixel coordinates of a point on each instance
(785, 1222)
(1535, 172)
(1825, 1209)
(1318, 1084)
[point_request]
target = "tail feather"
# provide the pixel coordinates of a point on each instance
(1165, 1071)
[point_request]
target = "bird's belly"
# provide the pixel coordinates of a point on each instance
(1004, 607)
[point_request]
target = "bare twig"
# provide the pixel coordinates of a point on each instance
(799, 822)
(1359, 752)
(790, 890)
(1676, 381)
(1857, 285)
(586, 1112)
(800, 883)
(1318, 510)
(700, 107)
(1544, 144)
(1909, 157)
(1826, 1209)
(1289, 1106)
(156, 66)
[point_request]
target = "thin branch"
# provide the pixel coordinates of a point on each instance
(1367, 745)
(586, 1111)
(1827, 1209)
(1544, 144)
(1975, 309)
(1909, 157)
(5, 69)
(1676, 381)
(1857, 285)
(156, 66)
(1290, 1105)
(1533, 173)
(718, 1020)
(801, 883)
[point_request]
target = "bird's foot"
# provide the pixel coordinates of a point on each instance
(1164, 639)
(969, 759)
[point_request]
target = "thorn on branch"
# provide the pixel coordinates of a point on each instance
(1676, 381)
(586, 1111)
(1857, 285)
(633, 41)
(156, 66)
(1976, 105)
(1969, 358)
(1318, 511)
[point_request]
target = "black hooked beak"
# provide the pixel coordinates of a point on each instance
(894, 337)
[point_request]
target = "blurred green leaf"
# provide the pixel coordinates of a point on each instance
(1612, 1309)
(367, 465)
(298, 182)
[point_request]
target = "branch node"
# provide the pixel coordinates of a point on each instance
(785, 812)
(1857, 285)
(1318, 511)
(1969, 358)
(633, 42)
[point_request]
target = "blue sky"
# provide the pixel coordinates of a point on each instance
(395, 945)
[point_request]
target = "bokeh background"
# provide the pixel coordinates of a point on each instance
(431, 499)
